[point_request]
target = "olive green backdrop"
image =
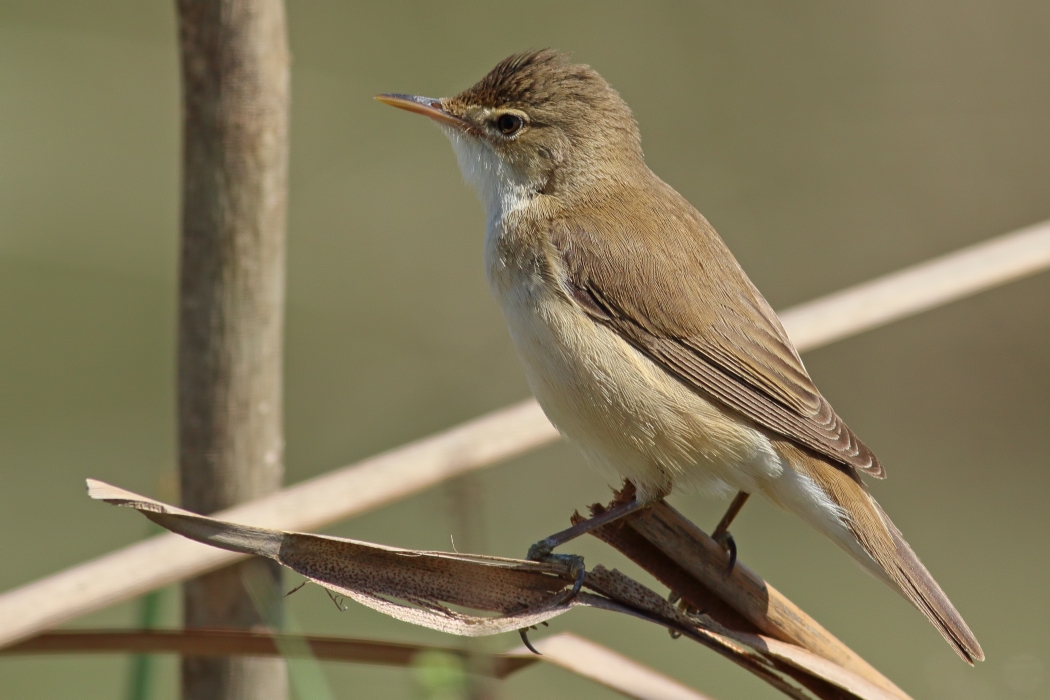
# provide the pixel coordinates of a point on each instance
(827, 142)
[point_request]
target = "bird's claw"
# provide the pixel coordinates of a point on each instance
(541, 551)
(577, 569)
(726, 541)
(524, 632)
(581, 573)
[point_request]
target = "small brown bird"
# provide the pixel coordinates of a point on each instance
(642, 338)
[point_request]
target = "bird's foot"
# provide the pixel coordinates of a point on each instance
(726, 541)
(541, 551)
(721, 534)
(675, 599)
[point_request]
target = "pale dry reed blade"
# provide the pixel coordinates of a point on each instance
(603, 665)
(349, 491)
(918, 288)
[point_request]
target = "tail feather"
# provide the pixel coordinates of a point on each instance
(883, 551)
(919, 587)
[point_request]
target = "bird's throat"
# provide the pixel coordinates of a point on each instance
(501, 189)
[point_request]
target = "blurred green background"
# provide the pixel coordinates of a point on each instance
(828, 143)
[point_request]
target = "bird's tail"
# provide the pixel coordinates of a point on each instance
(883, 551)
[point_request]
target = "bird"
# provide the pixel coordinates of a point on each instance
(641, 336)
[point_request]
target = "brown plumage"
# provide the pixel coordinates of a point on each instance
(693, 311)
(641, 336)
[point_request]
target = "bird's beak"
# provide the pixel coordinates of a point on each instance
(428, 106)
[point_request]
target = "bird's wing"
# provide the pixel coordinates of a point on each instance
(675, 292)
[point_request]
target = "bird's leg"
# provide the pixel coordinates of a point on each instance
(544, 549)
(721, 534)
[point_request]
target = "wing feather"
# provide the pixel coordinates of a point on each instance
(676, 293)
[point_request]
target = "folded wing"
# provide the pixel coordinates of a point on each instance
(676, 293)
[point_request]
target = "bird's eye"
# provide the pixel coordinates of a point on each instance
(509, 124)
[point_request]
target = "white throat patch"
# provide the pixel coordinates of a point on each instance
(500, 188)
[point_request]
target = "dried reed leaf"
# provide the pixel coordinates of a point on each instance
(740, 608)
(418, 586)
(815, 665)
(522, 593)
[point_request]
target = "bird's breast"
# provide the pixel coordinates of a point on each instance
(624, 412)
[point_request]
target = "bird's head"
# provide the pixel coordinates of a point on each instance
(536, 124)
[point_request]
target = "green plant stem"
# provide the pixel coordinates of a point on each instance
(140, 675)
